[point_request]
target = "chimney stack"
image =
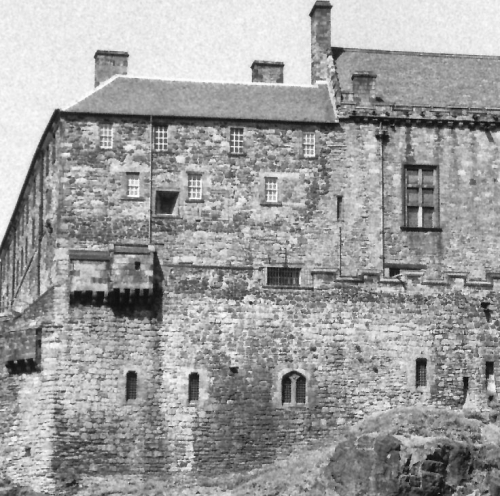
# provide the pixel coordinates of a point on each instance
(363, 87)
(321, 39)
(267, 72)
(108, 64)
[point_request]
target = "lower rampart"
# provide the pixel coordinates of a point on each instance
(356, 346)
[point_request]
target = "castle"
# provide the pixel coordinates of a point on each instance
(199, 277)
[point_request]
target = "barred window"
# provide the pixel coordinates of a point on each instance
(293, 389)
(286, 390)
(271, 189)
(106, 136)
(194, 187)
(309, 144)
(38, 346)
(131, 386)
(236, 140)
(283, 276)
(160, 138)
(194, 387)
(133, 184)
(300, 390)
(421, 379)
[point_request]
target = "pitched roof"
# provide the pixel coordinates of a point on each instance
(424, 78)
(256, 101)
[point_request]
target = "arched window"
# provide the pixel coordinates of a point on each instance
(421, 372)
(194, 387)
(293, 389)
(131, 386)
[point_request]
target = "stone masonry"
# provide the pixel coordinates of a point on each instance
(98, 280)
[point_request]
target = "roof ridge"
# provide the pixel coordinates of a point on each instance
(205, 81)
(416, 53)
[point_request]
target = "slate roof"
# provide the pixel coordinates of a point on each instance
(255, 101)
(416, 78)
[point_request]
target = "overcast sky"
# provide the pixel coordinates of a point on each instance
(47, 49)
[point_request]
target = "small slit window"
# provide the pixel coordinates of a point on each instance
(421, 372)
(106, 136)
(160, 138)
(166, 201)
(131, 386)
(194, 387)
(283, 276)
(293, 389)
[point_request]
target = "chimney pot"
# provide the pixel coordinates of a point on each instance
(108, 64)
(363, 87)
(264, 71)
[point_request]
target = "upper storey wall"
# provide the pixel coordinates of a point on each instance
(26, 269)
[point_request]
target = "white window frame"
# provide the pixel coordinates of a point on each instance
(133, 185)
(106, 136)
(271, 189)
(309, 144)
(236, 140)
(160, 138)
(195, 186)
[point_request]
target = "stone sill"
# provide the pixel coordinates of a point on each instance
(237, 154)
(195, 201)
(271, 204)
(302, 288)
(133, 198)
(421, 229)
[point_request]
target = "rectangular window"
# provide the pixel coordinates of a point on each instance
(236, 140)
(283, 276)
(131, 386)
(133, 184)
(421, 379)
(194, 187)
(106, 136)
(271, 189)
(309, 144)
(421, 197)
(194, 387)
(160, 138)
(165, 202)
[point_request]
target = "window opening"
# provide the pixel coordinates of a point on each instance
(465, 387)
(286, 390)
(236, 140)
(339, 208)
(131, 387)
(309, 143)
(137, 265)
(160, 138)
(293, 389)
(421, 197)
(38, 346)
(283, 276)
(165, 201)
(271, 184)
(194, 387)
(490, 369)
(421, 379)
(300, 391)
(194, 187)
(106, 136)
(133, 184)
(394, 271)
